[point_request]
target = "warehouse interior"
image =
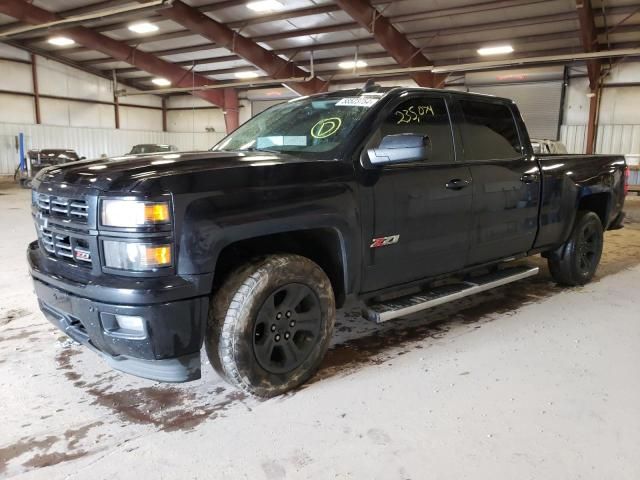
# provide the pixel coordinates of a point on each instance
(528, 380)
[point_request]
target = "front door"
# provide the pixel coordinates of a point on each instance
(419, 213)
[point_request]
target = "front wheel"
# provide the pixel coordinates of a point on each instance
(575, 262)
(270, 324)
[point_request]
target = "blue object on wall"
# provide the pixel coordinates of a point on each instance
(23, 163)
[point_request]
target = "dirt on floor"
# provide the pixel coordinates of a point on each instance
(66, 414)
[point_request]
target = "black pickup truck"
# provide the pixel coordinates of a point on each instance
(399, 198)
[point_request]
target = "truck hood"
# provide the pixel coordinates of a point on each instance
(126, 172)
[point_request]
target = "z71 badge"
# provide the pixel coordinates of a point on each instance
(384, 241)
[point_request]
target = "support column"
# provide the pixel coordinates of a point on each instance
(164, 114)
(36, 90)
(116, 110)
(592, 125)
(231, 109)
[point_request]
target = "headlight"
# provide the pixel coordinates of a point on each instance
(34, 197)
(138, 257)
(132, 213)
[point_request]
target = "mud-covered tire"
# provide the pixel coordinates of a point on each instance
(237, 318)
(575, 262)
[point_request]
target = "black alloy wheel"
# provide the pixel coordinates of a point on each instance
(286, 328)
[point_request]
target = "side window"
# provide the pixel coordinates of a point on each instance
(427, 116)
(489, 131)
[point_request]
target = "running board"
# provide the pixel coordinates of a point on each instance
(403, 306)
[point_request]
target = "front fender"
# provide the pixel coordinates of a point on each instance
(210, 223)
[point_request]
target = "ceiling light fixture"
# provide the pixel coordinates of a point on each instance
(161, 82)
(143, 27)
(497, 50)
(61, 41)
(246, 74)
(265, 6)
(352, 64)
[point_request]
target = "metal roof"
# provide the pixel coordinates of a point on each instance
(447, 32)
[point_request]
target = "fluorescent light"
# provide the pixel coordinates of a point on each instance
(497, 50)
(264, 5)
(143, 27)
(161, 82)
(246, 74)
(61, 41)
(352, 64)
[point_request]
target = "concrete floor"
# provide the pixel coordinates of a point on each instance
(529, 381)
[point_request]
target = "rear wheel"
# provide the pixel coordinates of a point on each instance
(576, 261)
(270, 324)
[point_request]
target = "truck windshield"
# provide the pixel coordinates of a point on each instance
(311, 127)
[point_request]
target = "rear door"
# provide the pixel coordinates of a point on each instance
(417, 215)
(506, 182)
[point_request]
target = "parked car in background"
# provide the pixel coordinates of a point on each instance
(144, 148)
(36, 160)
(548, 146)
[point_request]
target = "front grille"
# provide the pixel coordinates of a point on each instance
(62, 207)
(64, 246)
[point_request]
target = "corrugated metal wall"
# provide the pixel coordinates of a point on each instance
(92, 142)
(622, 139)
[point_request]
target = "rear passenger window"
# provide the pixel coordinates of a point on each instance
(427, 116)
(489, 131)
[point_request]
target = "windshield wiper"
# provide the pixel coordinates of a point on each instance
(254, 149)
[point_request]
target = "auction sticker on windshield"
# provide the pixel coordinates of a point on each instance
(357, 102)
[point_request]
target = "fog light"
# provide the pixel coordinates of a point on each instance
(128, 326)
(127, 322)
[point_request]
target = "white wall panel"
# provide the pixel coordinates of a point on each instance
(183, 101)
(573, 136)
(16, 77)
(60, 80)
(195, 120)
(132, 118)
(620, 106)
(54, 112)
(97, 115)
(199, 120)
(618, 139)
(145, 100)
(17, 108)
(8, 51)
(622, 139)
(576, 102)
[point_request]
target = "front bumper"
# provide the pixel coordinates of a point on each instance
(173, 329)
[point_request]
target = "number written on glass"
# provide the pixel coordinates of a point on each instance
(414, 114)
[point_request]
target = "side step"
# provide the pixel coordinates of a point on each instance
(403, 306)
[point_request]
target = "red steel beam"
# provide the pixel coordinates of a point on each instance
(274, 66)
(393, 41)
(589, 38)
(179, 77)
(231, 109)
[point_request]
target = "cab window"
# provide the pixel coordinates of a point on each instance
(489, 131)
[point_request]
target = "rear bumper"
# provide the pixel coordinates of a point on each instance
(169, 348)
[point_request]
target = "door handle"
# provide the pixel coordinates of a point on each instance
(457, 184)
(529, 178)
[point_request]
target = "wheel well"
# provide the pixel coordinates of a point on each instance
(597, 203)
(320, 245)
